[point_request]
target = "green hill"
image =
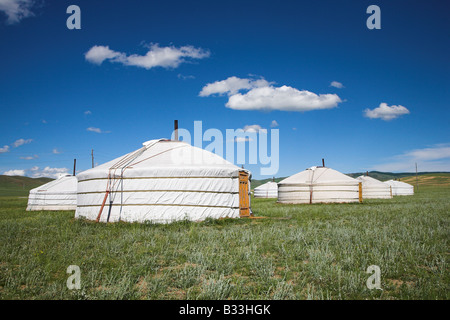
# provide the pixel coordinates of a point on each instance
(18, 185)
(437, 179)
(425, 178)
(257, 183)
(384, 176)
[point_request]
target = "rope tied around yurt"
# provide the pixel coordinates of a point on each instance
(123, 164)
(312, 182)
(111, 183)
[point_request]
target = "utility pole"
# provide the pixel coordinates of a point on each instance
(92, 156)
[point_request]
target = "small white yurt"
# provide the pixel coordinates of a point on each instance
(162, 182)
(267, 190)
(59, 194)
(374, 189)
(319, 185)
(400, 188)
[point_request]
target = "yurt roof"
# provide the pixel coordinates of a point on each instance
(163, 156)
(319, 175)
(268, 186)
(399, 184)
(65, 183)
(370, 181)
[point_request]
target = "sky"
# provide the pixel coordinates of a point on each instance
(362, 99)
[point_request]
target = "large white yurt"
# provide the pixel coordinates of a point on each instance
(162, 182)
(374, 189)
(400, 188)
(59, 194)
(266, 190)
(319, 185)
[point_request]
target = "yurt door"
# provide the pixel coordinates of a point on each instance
(244, 201)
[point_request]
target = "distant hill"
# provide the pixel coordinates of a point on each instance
(429, 179)
(18, 185)
(425, 178)
(384, 176)
(257, 183)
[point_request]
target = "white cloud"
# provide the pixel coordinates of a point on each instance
(386, 112)
(274, 124)
(88, 112)
(262, 95)
(437, 152)
(98, 54)
(48, 172)
(434, 158)
(282, 98)
(14, 173)
(98, 130)
(16, 10)
(166, 57)
(231, 86)
(29, 157)
(20, 142)
(56, 151)
(36, 172)
(4, 149)
(336, 84)
(44, 121)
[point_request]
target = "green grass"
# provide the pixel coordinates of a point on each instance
(295, 252)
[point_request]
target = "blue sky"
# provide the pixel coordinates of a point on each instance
(388, 110)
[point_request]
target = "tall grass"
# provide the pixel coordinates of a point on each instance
(295, 252)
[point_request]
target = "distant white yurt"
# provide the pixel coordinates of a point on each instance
(400, 188)
(59, 194)
(267, 190)
(162, 182)
(319, 185)
(374, 189)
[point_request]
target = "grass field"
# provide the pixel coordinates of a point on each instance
(295, 252)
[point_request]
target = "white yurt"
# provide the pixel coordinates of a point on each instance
(162, 182)
(267, 190)
(374, 189)
(319, 185)
(59, 194)
(400, 188)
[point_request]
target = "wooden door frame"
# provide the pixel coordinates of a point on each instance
(244, 194)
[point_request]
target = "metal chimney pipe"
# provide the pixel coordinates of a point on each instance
(323, 163)
(176, 129)
(74, 166)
